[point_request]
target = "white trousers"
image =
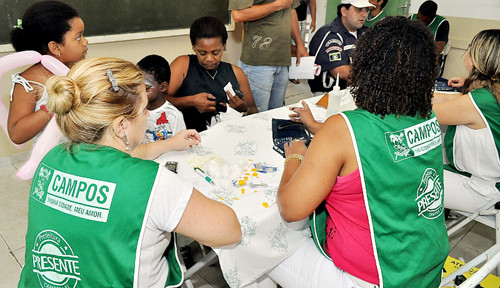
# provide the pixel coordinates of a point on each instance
(466, 194)
(307, 268)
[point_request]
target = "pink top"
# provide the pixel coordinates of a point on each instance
(348, 239)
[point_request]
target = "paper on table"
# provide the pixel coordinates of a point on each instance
(306, 69)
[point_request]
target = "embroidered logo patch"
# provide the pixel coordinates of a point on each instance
(332, 41)
(413, 141)
(430, 195)
(335, 56)
(333, 48)
(54, 261)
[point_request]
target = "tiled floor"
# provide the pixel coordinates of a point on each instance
(466, 244)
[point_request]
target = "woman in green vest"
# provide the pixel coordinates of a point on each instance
(472, 140)
(372, 176)
(99, 217)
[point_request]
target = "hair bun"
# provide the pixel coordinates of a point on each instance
(64, 94)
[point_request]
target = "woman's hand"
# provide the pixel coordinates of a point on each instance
(236, 102)
(204, 102)
(303, 115)
(456, 82)
(184, 139)
(295, 147)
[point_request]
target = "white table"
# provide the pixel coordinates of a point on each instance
(266, 238)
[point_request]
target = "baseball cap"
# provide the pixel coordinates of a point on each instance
(358, 3)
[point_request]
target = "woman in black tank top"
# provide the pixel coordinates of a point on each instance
(197, 86)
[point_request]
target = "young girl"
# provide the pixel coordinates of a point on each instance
(50, 28)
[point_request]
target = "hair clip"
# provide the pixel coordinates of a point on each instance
(112, 80)
(19, 24)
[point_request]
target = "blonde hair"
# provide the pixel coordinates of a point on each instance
(485, 57)
(85, 103)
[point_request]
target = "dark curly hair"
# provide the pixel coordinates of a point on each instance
(157, 66)
(207, 27)
(394, 68)
(43, 22)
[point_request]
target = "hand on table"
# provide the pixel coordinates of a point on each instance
(204, 102)
(304, 115)
(184, 139)
(295, 147)
(456, 82)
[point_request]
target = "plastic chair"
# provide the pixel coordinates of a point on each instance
(488, 215)
(207, 259)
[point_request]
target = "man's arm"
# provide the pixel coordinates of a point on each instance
(256, 12)
(312, 8)
(442, 36)
(343, 71)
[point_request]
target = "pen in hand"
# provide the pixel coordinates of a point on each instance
(205, 176)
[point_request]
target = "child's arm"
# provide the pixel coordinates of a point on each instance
(180, 141)
(23, 122)
(200, 101)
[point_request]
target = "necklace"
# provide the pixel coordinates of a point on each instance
(213, 77)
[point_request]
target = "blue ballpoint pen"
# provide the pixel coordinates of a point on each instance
(205, 176)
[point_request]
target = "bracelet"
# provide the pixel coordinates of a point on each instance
(44, 108)
(294, 156)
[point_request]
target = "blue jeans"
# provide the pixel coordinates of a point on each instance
(268, 85)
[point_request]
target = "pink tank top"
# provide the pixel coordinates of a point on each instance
(348, 239)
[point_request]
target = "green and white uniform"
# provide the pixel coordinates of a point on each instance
(372, 20)
(399, 158)
(98, 217)
(474, 158)
(400, 164)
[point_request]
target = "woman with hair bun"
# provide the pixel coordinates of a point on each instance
(472, 140)
(107, 216)
(49, 28)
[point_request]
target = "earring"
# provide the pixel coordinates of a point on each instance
(58, 55)
(125, 140)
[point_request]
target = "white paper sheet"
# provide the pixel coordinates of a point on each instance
(305, 70)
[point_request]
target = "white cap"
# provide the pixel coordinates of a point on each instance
(358, 3)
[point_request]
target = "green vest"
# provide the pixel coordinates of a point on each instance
(87, 218)
(488, 106)
(401, 156)
(434, 25)
(372, 21)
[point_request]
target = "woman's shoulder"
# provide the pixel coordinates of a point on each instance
(181, 61)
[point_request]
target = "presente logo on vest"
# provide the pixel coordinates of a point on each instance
(414, 141)
(54, 261)
(430, 195)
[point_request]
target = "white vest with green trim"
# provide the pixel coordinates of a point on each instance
(434, 25)
(401, 169)
(480, 159)
(87, 217)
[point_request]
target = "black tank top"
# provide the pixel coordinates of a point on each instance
(199, 80)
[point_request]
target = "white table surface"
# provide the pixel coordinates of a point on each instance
(266, 238)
